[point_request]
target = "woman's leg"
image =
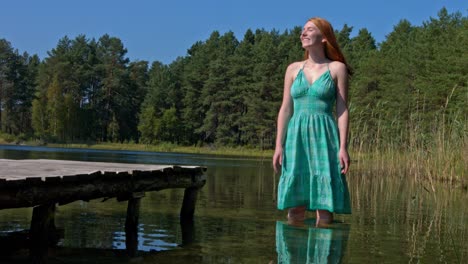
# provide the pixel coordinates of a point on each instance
(324, 217)
(296, 214)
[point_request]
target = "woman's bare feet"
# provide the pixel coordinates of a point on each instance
(324, 218)
(296, 215)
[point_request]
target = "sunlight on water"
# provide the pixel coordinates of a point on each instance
(148, 239)
(394, 220)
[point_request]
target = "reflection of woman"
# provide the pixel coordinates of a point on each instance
(311, 152)
(310, 245)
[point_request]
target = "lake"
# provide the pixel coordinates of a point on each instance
(395, 219)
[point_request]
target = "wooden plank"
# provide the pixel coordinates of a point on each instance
(56, 179)
(21, 169)
(45, 183)
(34, 180)
(120, 183)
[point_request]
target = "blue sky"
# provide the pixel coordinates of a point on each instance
(164, 29)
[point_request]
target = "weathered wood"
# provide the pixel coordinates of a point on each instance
(41, 168)
(129, 196)
(187, 227)
(131, 226)
(42, 227)
(45, 183)
(188, 204)
(24, 190)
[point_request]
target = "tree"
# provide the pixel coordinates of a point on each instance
(196, 73)
(217, 93)
(16, 89)
(114, 87)
(344, 40)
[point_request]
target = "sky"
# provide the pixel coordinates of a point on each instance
(162, 30)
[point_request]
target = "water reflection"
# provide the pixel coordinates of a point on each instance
(126, 156)
(310, 244)
(395, 219)
(151, 239)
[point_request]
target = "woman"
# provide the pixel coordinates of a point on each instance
(310, 152)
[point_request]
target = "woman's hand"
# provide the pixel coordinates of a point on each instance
(277, 159)
(344, 160)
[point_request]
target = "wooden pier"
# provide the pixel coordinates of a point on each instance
(44, 184)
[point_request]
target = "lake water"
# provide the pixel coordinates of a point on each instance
(395, 219)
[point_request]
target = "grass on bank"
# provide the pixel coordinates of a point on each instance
(169, 147)
(161, 147)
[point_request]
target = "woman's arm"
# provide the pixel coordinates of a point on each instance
(342, 113)
(284, 115)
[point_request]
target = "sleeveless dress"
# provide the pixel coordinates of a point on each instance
(311, 172)
(311, 244)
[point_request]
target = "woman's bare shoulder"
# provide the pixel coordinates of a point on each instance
(294, 68)
(295, 65)
(338, 67)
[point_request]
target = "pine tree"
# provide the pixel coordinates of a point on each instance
(114, 87)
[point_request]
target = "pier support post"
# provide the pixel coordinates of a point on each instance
(42, 232)
(186, 215)
(131, 226)
(188, 204)
(188, 232)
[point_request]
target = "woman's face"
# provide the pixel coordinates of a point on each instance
(311, 35)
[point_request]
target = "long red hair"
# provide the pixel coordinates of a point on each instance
(331, 47)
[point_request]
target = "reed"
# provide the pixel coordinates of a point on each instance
(428, 146)
(423, 220)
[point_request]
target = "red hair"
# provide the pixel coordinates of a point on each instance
(331, 47)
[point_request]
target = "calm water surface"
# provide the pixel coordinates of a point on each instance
(395, 219)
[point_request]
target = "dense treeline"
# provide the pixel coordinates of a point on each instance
(407, 90)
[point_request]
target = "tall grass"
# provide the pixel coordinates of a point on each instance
(430, 148)
(425, 221)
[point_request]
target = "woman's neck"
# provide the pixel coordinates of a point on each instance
(316, 56)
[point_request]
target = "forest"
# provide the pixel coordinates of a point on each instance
(408, 91)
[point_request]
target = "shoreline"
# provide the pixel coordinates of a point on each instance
(209, 150)
(441, 166)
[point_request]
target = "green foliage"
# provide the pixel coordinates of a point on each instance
(39, 120)
(406, 92)
(148, 125)
(169, 126)
(88, 90)
(155, 128)
(17, 74)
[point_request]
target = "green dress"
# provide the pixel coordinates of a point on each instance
(311, 244)
(311, 173)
